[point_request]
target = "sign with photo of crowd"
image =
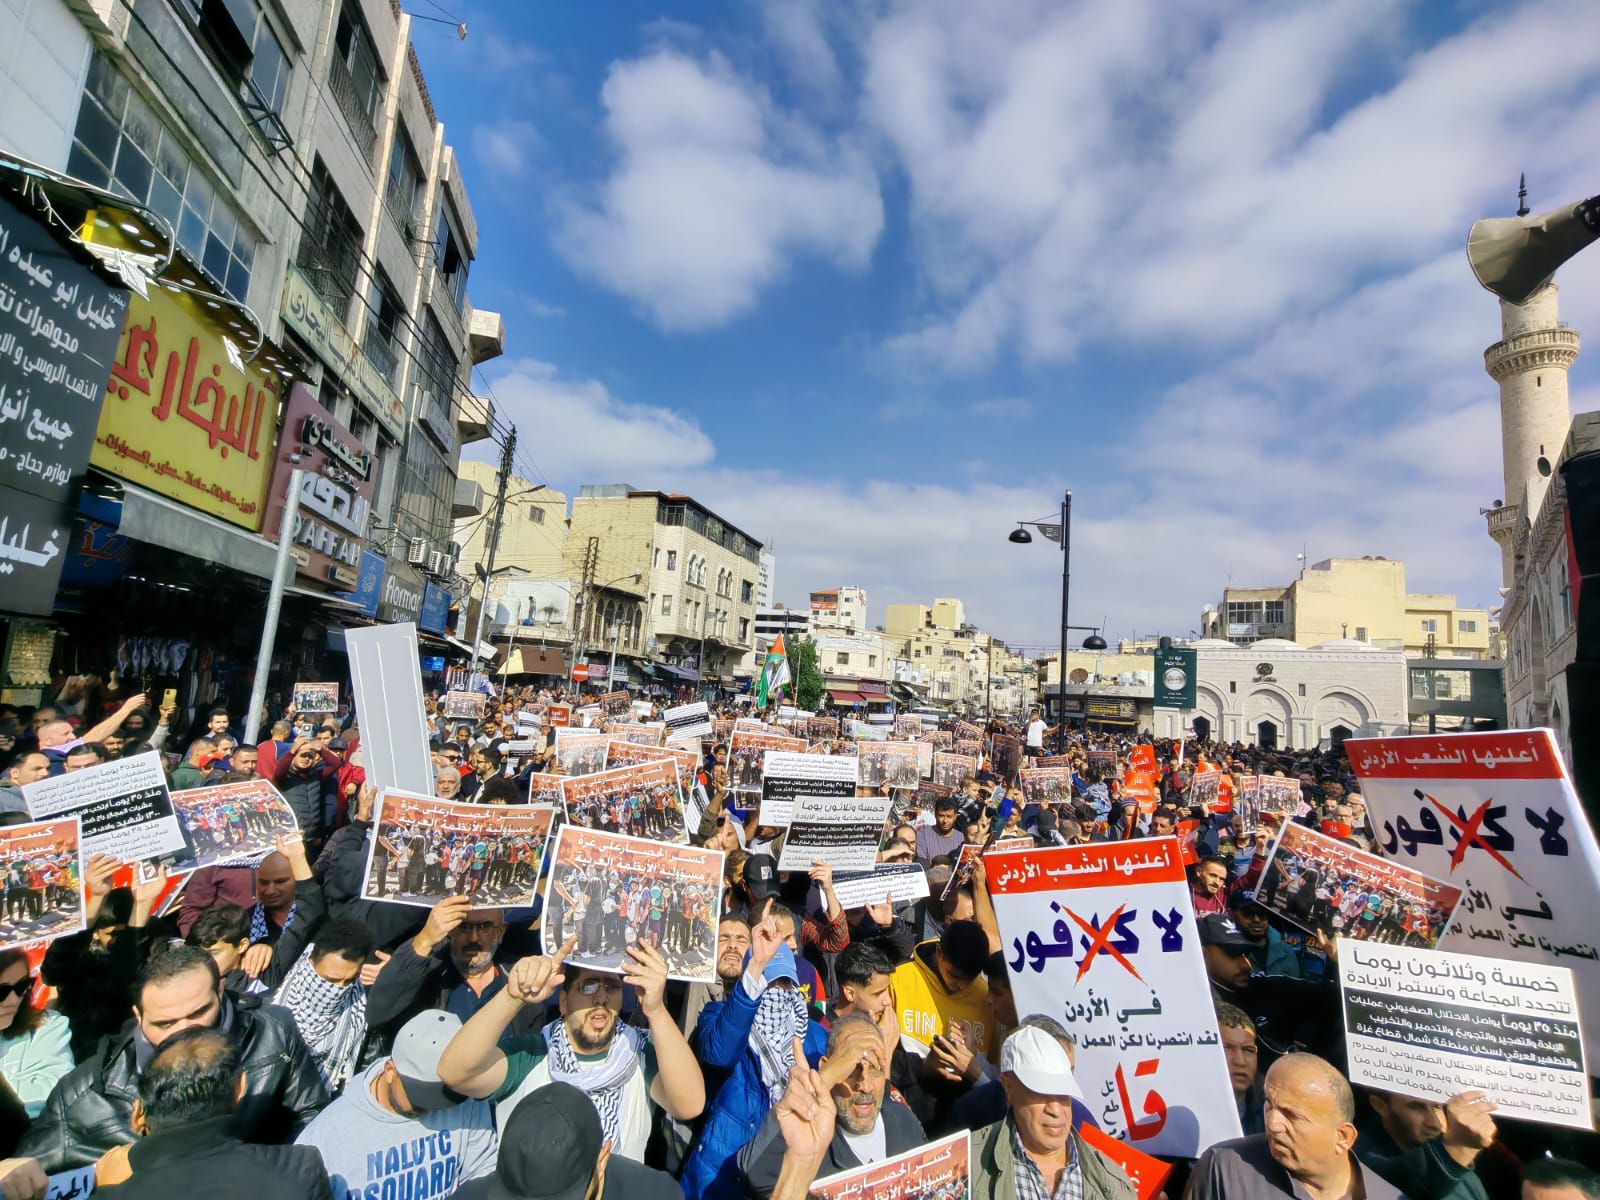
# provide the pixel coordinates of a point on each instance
(235, 824)
(611, 892)
(892, 763)
(747, 750)
(424, 850)
(42, 865)
(938, 1170)
(644, 801)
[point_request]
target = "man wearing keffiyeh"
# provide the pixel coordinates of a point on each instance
(324, 993)
(747, 1041)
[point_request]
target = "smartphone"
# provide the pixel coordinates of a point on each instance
(169, 698)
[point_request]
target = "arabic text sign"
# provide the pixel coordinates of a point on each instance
(643, 800)
(468, 706)
(34, 535)
(941, 1168)
(47, 858)
(746, 753)
(901, 884)
(787, 775)
(180, 419)
(337, 478)
(125, 808)
(58, 332)
(1496, 815)
(842, 831)
(1434, 1024)
(1103, 939)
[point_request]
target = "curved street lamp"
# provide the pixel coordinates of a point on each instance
(1061, 533)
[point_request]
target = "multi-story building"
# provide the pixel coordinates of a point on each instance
(766, 577)
(946, 659)
(839, 608)
(1364, 599)
(663, 577)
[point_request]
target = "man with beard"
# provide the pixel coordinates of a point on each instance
(450, 964)
(868, 1128)
(733, 941)
(626, 1072)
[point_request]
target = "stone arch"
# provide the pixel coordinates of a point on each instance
(1340, 708)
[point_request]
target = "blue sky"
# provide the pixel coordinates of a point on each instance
(874, 280)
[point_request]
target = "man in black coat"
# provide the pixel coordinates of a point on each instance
(90, 1110)
(184, 1111)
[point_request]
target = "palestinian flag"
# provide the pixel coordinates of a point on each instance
(774, 675)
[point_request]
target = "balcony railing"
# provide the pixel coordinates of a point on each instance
(381, 353)
(342, 85)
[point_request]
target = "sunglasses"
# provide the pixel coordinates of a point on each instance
(590, 987)
(19, 989)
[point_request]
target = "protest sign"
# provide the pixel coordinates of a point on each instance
(316, 697)
(235, 824)
(645, 735)
(721, 728)
(126, 812)
(1142, 757)
(1325, 886)
(894, 763)
(1205, 788)
(613, 891)
(950, 769)
(643, 800)
(786, 776)
(924, 759)
(386, 679)
(842, 831)
(559, 715)
(1279, 796)
(908, 727)
(863, 731)
(750, 725)
(822, 728)
(580, 752)
(1103, 938)
(902, 883)
(688, 720)
(623, 754)
(70, 1184)
(1103, 761)
(1495, 814)
(424, 850)
(941, 739)
(747, 751)
(43, 866)
(970, 749)
(971, 852)
(1148, 1175)
(615, 703)
(967, 730)
(1247, 804)
(1052, 786)
(1053, 762)
(545, 789)
(939, 1170)
(1433, 1024)
(529, 721)
(465, 706)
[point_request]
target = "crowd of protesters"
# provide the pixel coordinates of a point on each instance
(271, 1032)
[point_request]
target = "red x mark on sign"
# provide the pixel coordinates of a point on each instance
(1469, 836)
(1100, 939)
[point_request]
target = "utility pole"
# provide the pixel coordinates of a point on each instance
(584, 617)
(508, 448)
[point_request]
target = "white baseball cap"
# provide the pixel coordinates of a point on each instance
(1040, 1063)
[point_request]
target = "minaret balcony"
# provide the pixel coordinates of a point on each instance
(1538, 348)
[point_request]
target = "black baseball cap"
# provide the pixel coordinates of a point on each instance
(549, 1146)
(1218, 929)
(761, 876)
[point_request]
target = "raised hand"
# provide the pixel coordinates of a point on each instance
(647, 972)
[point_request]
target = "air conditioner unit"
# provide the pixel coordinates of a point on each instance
(441, 564)
(417, 552)
(455, 549)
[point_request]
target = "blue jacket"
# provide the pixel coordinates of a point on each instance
(1277, 957)
(721, 1041)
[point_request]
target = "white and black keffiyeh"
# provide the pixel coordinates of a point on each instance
(780, 1018)
(260, 930)
(601, 1082)
(331, 1019)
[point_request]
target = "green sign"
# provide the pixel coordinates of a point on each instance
(1175, 672)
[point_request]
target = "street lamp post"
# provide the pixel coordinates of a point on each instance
(1060, 533)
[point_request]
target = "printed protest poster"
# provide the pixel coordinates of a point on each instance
(529, 721)
(316, 697)
(970, 749)
(1103, 761)
(1279, 796)
(786, 776)
(842, 831)
(465, 706)
(1205, 788)
(559, 715)
(1049, 786)
(615, 703)
(43, 869)
(894, 763)
(1142, 758)
(940, 1170)
(126, 812)
(950, 769)
(645, 735)
(644, 800)
(901, 883)
(1496, 815)
(1247, 804)
(546, 789)
(623, 754)
(1148, 1175)
(1433, 1024)
(1325, 886)
(822, 729)
(235, 824)
(747, 751)
(908, 727)
(924, 759)
(579, 752)
(612, 891)
(1103, 938)
(424, 850)
(971, 852)
(940, 739)
(721, 728)
(968, 731)
(862, 731)
(750, 725)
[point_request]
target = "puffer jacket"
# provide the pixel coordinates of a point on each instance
(90, 1111)
(722, 1043)
(309, 793)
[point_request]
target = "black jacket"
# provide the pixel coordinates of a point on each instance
(90, 1109)
(341, 867)
(309, 793)
(762, 1157)
(205, 1159)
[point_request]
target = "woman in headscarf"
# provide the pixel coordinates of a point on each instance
(324, 994)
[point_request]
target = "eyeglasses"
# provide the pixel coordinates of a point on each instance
(19, 989)
(590, 987)
(477, 928)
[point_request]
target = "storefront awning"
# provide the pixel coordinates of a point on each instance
(536, 660)
(677, 672)
(868, 690)
(843, 697)
(147, 517)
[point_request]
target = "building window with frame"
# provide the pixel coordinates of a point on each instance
(666, 605)
(1466, 626)
(354, 77)
(842, 658)
(536, 514)
(381, 343)
(450, 257)
(672, 560)
(330, 245)
(747, 591)
(744, 629)
(402, 187)
(1430, 625)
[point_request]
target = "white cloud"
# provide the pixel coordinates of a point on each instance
(713, 195)
(541, 308)
(506, 149)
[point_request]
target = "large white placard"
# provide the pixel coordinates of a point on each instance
(842, 831)
(125, 809)
(387, 679)
(787, 775)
